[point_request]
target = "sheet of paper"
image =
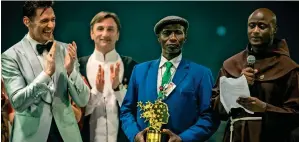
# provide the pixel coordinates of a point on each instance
(231, 89)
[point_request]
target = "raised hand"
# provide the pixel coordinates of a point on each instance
(114, 75)
(249, 74)
(50, 60)
(70, 57)
(100, 79)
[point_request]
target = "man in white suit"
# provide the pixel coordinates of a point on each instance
(38, 75)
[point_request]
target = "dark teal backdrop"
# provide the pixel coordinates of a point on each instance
(137, 38)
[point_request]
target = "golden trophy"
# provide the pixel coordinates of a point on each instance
(157, 114)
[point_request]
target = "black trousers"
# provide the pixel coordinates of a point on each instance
(54, 135)
(294, 137)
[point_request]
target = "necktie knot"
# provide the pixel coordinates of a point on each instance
(41, 47)
(168, 65)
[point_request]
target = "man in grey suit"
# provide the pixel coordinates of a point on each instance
(38, 76)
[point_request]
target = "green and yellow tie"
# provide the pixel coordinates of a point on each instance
(165, 79)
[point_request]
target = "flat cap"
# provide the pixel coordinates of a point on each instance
(170, 20)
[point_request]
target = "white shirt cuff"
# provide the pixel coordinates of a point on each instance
(119, 95)
(94, 100)
(95, 97)
(42, 78)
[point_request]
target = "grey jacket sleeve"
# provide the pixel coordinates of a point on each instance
(79, 91)
(21, 94)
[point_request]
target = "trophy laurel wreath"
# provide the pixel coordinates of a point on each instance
(156, 114)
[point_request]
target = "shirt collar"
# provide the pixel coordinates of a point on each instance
(111, 56)
(175, 61)
(32, 42)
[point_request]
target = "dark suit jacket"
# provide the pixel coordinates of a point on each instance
(129, 64)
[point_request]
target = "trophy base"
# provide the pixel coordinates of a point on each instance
(153, 136)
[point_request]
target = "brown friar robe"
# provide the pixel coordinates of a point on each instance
(276, 83)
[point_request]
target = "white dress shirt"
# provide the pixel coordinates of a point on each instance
(43, 77)
(103, 107)
(162, 67)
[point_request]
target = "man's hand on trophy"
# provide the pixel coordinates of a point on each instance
(172, 136)
(140, 136)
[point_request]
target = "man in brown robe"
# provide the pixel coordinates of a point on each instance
(273, 82)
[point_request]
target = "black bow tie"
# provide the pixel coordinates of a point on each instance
(41, 47)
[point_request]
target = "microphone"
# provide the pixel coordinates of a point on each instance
(250, 61)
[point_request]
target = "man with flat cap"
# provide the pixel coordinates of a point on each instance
(273, 83)
(188, 98)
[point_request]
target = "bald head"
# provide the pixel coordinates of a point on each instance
(261, 28)
(265, 14)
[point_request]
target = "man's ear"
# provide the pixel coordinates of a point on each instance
(117, 36)
(185, 37)
(275, 29)
(158, 37)
(91, 34)
(26, 21)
